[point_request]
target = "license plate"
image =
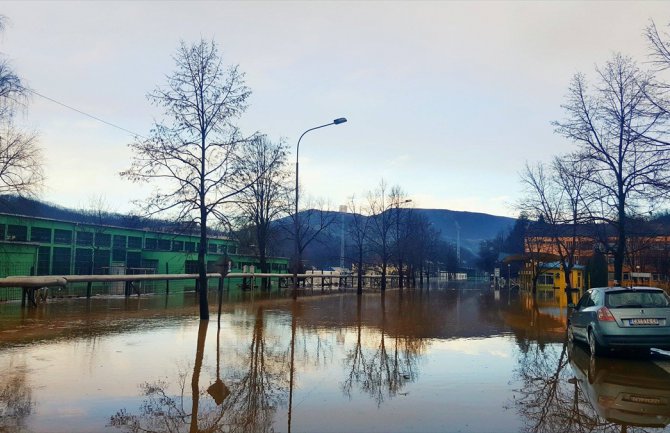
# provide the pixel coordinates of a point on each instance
(642, 322)
(643, 400)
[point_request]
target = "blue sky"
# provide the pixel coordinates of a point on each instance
(446, 99)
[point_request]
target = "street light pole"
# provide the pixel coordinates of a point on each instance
(297, 252)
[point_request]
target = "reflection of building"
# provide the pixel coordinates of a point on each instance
(551, 280)
(41, 246)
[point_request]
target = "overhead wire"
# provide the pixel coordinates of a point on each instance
(85, 113)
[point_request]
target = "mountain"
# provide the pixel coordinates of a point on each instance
(474, 227)
(324, 251)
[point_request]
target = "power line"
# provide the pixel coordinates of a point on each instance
(85, 114)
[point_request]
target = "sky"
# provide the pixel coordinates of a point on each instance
(447, 100)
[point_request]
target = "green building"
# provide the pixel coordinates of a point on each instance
(41, 246)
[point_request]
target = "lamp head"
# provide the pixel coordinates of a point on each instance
(339, 120)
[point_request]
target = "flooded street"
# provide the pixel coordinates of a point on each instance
(457, 359)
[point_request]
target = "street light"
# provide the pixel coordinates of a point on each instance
(297, 225)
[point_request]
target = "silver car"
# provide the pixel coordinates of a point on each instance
(621, 318)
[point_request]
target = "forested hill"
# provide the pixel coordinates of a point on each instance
(474, 227)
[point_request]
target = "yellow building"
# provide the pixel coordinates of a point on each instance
(551, 281)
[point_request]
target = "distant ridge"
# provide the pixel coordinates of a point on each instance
(17, 205)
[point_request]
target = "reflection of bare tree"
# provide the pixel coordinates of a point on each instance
(257, 387)
(262, 387)
(382, 371)
(355, 357)
(15, 400)
(550, 398)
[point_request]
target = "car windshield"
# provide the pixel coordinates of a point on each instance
(637, 299)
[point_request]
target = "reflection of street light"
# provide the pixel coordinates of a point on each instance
(297, 226)
(509, 285)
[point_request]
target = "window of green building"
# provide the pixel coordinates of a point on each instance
(17, 233)
(60, 264)
(119, 242)
(101, 261)
(118, 255)
(2, 232)
(177, 245)
(134, 243)
(191, 266)
(103, 240)
(83, 261)
(211, 247)
(164, 245)
(85, 239)
(150, 264)
(190, 246)
(150, 244)
(63, 237)
(40, 234)
(43, 260)
(223, 248)
(134, 259)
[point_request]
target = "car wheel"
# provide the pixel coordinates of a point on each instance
(596, 348)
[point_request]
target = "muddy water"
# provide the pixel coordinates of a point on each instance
(463, 359)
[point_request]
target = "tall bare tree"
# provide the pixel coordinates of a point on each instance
(359, 232)
(192, 155)
(558, 195)
(381, 227)
(622, 133)
(263, 185)
(401, 232)
(20, 156)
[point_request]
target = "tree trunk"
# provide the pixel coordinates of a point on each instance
(401, 275)
(195, 379)
(359, 286)
(202, 267)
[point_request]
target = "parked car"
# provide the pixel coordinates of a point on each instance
(628, 392)
(621, 318)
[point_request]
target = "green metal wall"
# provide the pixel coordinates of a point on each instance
(52, 247)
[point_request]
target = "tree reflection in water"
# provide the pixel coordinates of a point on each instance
(256, 387)
(16, 402)
(382, 370)
(554, 392)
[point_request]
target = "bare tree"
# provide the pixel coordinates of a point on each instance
(193, 154)
(558, 196)
(20, 156)
(316, 219)
(621, 132)
(382, 225)
(359, 231)
(264, 200)
(401, 232)
(20, 161)
(421, 244)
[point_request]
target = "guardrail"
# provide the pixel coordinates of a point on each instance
(32, 284)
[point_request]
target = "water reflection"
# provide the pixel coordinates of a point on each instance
(16, 402)
(384, 367)
(625, 392)
(256, 387)
(458, 359)
(564, 389)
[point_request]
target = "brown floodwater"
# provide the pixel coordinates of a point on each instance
(454, 359)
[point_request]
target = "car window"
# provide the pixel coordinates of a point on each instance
(591, 301)
(584, 300)
(637, 299)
